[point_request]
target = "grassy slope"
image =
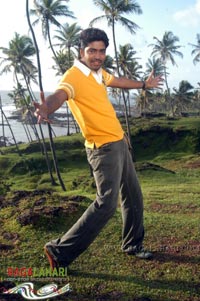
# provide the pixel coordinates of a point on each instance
(103, 272)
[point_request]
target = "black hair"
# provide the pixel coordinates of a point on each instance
(91, 35)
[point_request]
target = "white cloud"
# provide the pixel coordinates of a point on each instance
(190, 16)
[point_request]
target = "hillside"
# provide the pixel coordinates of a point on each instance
(33, 212)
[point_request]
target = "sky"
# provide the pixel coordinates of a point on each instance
(182, 17)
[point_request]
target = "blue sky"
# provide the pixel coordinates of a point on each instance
(182, 17)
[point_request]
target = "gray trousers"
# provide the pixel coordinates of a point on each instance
(113, 170)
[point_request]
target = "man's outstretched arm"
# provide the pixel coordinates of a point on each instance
(150, 83)
(52, 103)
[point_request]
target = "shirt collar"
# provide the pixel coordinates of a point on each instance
(83, 68)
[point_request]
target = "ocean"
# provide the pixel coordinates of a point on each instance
(20, 131)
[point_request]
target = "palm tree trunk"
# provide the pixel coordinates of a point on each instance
(123, 94)
(31, 122)
(28, 134)
(168, 96)
(68, 122)
(52, 49)
(31, 116)
(13, 136)
(61, 69)
(42, 99)
(41, 88)
(166, 82)
(2, 123)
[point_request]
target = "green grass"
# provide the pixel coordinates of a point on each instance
(103, 271)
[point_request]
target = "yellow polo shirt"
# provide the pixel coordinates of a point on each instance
(89, 104)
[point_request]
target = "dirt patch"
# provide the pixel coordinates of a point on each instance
(32, 206)
(173, 208)
(193, 165)
(150, 166)
(39, 197)
(172, 246)
(21, 195)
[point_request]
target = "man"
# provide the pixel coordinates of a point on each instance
(84, 87)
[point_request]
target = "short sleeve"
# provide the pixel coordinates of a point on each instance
(67, 84)
(107, 77)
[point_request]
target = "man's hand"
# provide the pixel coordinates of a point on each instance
(41, 112)
(153, 82)
(49, 105)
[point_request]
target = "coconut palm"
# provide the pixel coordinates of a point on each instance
(165, 50)
(128, 64)
(156, 65)
(3, 116)
(196, 99)
(66, 61)
(196, 50)
(124, 57)
(63, 61)
(147, 96)
(42, 99)
(182, 97)
(114, 11)
(68, 37)
(135, 70)
(47, 11)
(18, 55)
(128, 67)
(17, 58)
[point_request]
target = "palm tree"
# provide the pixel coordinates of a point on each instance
(66, 61)
(42, 99)
(47, 12)
(196, 50)
(147, 96)
(3, 116)
(165, 50)
(156, 65)
(108, 64)
(114, 11)
(17, 55)
(125, 56)
(128, 67)
(22, 102)
(63, 59)
(196, 99)
(68, 37)
(183, 96)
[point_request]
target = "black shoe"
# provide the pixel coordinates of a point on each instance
(143, 254)
(139, 252)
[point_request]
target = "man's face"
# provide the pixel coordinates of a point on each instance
(93, 56)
